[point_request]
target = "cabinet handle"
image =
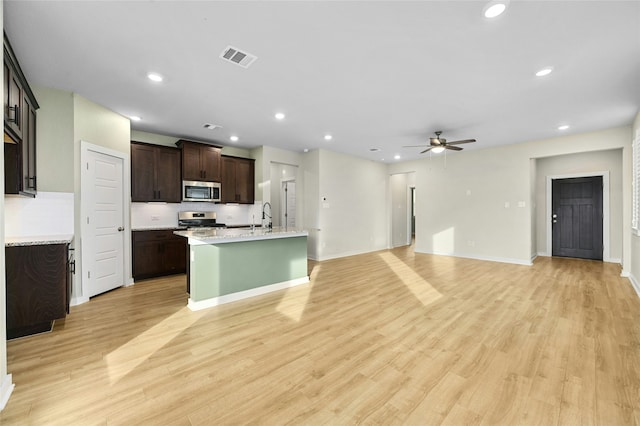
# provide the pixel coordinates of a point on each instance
(159, 196)
(16, 114)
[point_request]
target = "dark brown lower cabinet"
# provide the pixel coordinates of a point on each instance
(157, 253)
(37, 287)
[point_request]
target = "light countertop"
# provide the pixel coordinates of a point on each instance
(37, 240)
(158, 228)
(222, 235)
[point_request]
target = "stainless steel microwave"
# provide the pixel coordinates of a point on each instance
(200, 191)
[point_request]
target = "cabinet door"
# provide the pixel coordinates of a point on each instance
(245, 181)
(191, 169)
(14, 95)
(167, 172)
(147, 261)
(28, 148)
(210, 161)
(228, 187)
(175, 255)
(142, 173)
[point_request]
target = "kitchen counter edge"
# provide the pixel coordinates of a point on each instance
(222, 235)
(38, 240)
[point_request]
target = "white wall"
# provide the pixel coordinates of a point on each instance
(279, 174)
(596, 161)
(50, 213)
(462, 208)
(634, 246)
(352, 206)
(99, 126)
(311, 201)
(54, 153)
(400, 208)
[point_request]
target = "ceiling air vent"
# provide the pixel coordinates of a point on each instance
(238, 57)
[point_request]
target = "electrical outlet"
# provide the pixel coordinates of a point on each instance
(155, 218)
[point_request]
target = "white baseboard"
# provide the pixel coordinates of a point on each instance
(485, 258)
(233, 297)
(635, 284)
(78, 300)
(5, 391)
(543, 254)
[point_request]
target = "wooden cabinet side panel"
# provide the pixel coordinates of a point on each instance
(36, 284)
(12, 168)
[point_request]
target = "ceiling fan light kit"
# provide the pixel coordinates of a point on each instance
(438, 144)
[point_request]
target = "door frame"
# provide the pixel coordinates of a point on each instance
(605, 211)
(283, 200)
(88, 240)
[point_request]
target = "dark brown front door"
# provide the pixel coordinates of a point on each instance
(577, 217)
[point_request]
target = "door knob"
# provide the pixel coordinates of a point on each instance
(554, 216)
(555, 221)
(120, 229)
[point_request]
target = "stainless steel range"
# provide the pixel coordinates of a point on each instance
(198, 220)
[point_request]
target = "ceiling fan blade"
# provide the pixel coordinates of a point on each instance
(455, 148)
(426, 150)
(459, 142)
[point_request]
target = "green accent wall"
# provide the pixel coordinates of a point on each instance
(221, 269)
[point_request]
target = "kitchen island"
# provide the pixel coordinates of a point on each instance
(225, 265)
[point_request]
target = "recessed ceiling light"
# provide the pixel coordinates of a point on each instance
(234, 138)
(279, 116)
(328, 137)
(563, 127)
(494, 9)
(397, 157)
(374, 149)
(544, 71)
(154, 77)
(134, 118)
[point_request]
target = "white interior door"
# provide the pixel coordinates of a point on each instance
(104, 268)
(288, 203)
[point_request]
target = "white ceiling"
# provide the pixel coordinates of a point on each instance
(378, 74)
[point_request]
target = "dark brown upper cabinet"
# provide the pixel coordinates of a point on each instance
(20, 107)
(238, 176)
(200, 162)
(155, 173)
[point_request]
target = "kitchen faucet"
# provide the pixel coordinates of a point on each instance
(265, 215)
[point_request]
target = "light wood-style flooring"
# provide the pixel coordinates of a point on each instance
(382, 338)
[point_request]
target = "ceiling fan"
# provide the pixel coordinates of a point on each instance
(439, 144)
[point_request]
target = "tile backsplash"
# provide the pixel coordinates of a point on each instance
(50, 213)
(152, 215)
